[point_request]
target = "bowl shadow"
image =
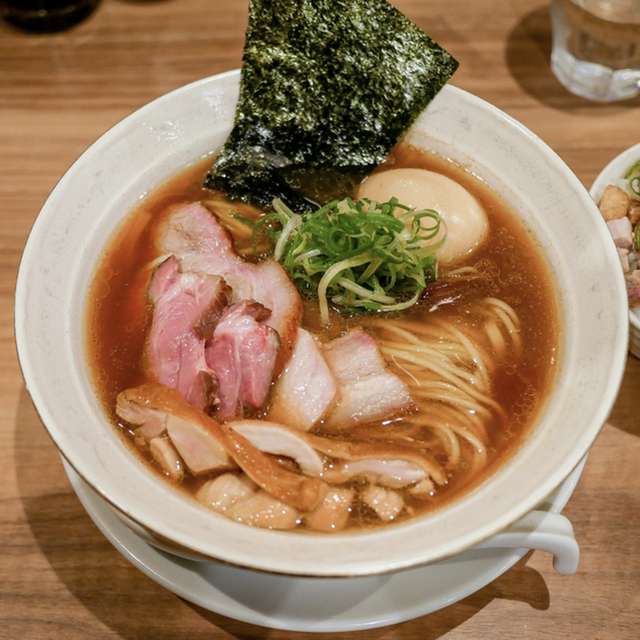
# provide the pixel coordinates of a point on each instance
(528, 56)
(89, 566)
(520, 584)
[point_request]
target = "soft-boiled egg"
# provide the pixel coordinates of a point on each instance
(465, 219)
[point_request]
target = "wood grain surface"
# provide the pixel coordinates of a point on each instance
(59, 577)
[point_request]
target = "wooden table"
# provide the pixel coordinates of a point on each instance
(59, 577)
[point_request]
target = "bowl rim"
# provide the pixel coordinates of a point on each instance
(244, 549)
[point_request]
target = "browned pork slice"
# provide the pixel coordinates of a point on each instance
(387, 504)
(295, 490)
(186, 307)
(306, 388)
(195, 237)
(242, 354)
(201, 448)
(397, 464)
(168, 459)
(240, 499)
(614, 203)
(263, 510)
(367, 389)
(277, 439)
(222, 492)
(391, 473)
(203, 442)
(151, 423)
(333, 512)
(422, 488)
(196, 437)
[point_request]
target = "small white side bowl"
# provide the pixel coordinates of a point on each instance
(140, 154)
(612, 174)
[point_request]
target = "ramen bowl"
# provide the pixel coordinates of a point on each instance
(153, 144)
(613, 173)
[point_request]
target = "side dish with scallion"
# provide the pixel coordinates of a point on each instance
(620, 207)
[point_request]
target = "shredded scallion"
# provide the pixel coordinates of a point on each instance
(633, 178)
(356, 255)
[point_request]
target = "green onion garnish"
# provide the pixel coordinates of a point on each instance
(633, 178)
(355, 256)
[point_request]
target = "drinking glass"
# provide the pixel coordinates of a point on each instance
(596, 47)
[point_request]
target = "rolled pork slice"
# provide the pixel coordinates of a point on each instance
(306, 388)
(368, 390)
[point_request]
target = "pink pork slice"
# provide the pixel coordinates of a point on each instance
(195, 237)
(621, 232)
(186, 307)
(367, 389)
(632, 280)
(242, 353)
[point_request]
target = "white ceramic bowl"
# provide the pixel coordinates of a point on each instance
(612, 174)
(140, 154)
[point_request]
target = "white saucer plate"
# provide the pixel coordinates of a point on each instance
(312, 604)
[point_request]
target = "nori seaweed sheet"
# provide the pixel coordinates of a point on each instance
(325, 84)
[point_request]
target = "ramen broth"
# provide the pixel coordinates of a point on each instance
(513, 271)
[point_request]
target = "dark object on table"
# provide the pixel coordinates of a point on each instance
(46, 16)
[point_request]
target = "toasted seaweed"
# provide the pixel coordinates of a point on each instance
(327, 87)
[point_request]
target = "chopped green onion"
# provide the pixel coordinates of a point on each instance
(633, 177)
(239, 218)
(356, 255)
